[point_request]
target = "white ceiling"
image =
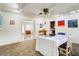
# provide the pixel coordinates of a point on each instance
(9, 7)
(54, 8)
(33, 9)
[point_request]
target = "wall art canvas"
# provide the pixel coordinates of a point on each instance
(61, 23)
(52, 24)
(72, 23)
(1, 20)
(41, 25)
(12, 22)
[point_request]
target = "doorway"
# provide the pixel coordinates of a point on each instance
(27, 29)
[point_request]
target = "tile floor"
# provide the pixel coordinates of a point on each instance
(27, 48)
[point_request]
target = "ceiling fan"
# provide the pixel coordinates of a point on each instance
(45, 11)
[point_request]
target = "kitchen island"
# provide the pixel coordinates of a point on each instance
(48, 45)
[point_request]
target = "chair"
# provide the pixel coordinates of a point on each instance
(66, 48)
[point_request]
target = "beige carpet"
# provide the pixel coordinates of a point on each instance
(27, 48)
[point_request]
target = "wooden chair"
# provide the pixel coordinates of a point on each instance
(66, 48)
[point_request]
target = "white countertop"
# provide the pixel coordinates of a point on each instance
(58, 38)
(48, 45)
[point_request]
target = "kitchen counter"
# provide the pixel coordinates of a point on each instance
(48, 45)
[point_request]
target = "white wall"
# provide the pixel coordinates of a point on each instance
(28, 25)
(69, 31)
(10, 33)
(40, 20)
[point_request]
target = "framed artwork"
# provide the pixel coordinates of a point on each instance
(61, 23)
(72, 23)
(12, 22)
(52, 24)
(1, 20)
(41, 25)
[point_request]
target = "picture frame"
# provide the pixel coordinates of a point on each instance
(61, 23)
(1, 21)
(73, 23)
(12, 22)
(52, 24)
(41, 25)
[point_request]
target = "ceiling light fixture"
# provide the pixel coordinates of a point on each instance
(46, 11)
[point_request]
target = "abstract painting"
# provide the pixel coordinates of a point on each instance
(52, 24)
(61, 23)
(12, 22)
(72, 23)
(0, 21)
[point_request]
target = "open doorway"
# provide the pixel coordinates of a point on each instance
(27, 29)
